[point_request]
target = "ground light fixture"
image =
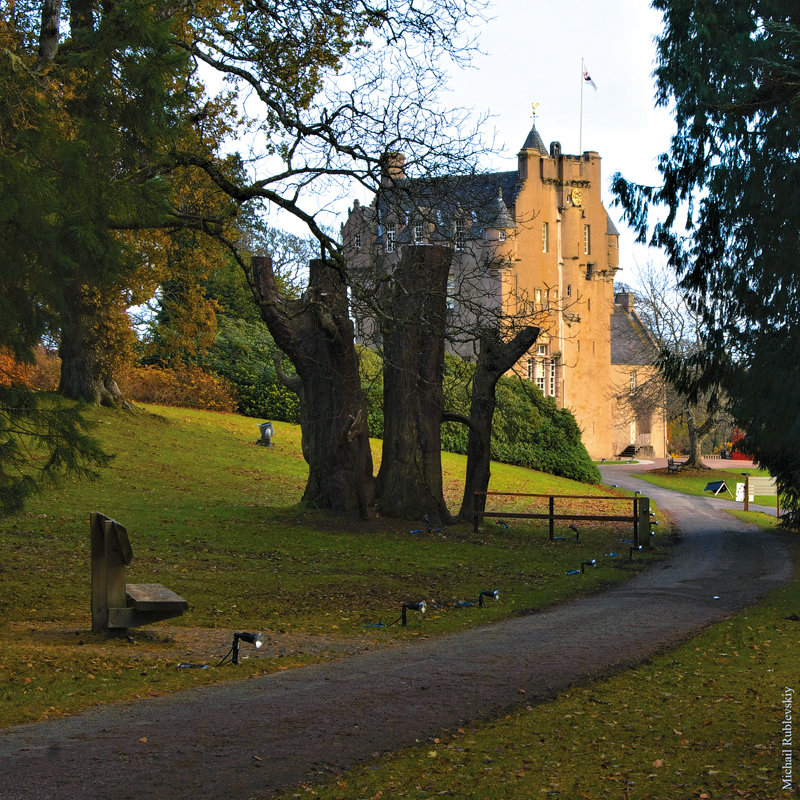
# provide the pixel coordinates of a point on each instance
(256, 639)
(421, 606)
(574, 528)
(632, 550)
(591, 563)
(493, 594)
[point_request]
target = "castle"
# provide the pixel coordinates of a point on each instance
(533, 244)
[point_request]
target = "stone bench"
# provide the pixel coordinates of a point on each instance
(116, 604)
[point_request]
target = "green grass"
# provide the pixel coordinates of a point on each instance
(703, 721)
(695, 481)
(217, 520)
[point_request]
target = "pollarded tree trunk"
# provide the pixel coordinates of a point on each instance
(413, 323)
(317, 335)
(495, 359)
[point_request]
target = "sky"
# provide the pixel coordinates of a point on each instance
(532, 54)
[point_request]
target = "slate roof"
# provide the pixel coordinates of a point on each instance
(630, 341)
(535, 142)
(481, 200)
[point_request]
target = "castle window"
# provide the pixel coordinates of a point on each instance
(552, 387)
(634, 379)
(541, 349)
(391, 230)
(537, 297)
(451, 291)
(587, 239)
(545, 237)
(357, 241)
(530, 369)
(540, 375)
(569, 290)
(502, 236)
(417, 233)
(458, 231)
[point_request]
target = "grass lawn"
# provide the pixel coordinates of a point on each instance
(703, 722)
(694, 481)
(217, 520)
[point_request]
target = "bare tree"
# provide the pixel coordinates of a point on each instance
(676, 330)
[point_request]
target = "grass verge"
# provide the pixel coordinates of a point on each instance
(215, 518)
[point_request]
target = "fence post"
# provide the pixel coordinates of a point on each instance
(644, 520)
(636, 522)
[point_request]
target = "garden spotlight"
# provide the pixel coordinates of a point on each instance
(493, 593)
(572, 527)
(421, 606)
(584, 564)
(256, 639)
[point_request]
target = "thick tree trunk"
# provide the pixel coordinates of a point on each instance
(82, 371)
(495, 359)
(412, 328)
(317, 335)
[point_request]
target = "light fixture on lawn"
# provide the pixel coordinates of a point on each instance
(493, 594)
(631, 551)
(421, 606)
(573, 527)
(256, 639)
(591, 563)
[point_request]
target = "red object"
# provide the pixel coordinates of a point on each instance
(736, 454)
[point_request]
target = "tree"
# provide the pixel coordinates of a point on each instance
(730, 228)
(412, 331)
(675, 332)
(332, 86)
(317, 335)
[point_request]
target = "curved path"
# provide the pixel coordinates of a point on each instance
(249, 738)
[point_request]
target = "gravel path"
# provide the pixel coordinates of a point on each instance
(249, 738)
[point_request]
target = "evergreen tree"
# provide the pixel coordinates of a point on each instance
(730, 224)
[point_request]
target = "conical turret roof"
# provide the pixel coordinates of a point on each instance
(535, 141)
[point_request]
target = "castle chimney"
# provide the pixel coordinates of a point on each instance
(393, 168)
(624, 299)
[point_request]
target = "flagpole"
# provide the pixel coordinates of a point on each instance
(580, 124)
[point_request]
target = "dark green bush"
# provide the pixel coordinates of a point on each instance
(243, 353)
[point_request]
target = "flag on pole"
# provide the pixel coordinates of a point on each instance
(587, 78)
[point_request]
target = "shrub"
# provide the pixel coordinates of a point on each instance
(243, 353)
(184, 387)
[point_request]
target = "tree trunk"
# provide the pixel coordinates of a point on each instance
(495, 359)
(82, 370)
(48, 30)
(317, 335)
(695, 460)
(412, 329)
